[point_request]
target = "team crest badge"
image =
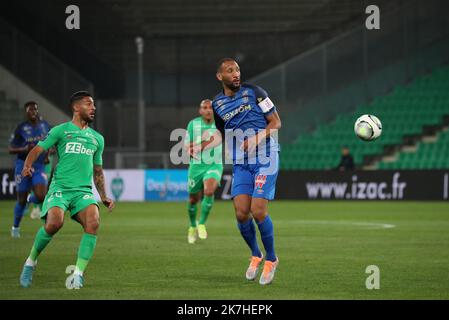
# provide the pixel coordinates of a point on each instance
(260, 181)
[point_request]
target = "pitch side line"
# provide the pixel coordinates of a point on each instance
(347, 223)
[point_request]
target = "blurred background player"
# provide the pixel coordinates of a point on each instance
(248, 107)
(205, 169)
(25, 137)
(80, 150)
(346, 160)
(49, 163)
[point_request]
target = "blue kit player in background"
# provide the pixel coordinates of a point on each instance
(24, 138)
(255, 159)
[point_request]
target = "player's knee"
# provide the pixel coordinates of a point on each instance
(40, 197)
(51, 227)
(208, 192)
(193, 200)
(241, 215)
(258, 212)
(92, 226)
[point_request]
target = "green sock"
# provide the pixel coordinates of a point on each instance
(40, 242)
(206, 206)
(192, 214)
(86, 250)
(39, 205)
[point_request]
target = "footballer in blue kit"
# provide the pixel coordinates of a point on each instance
(249, 121)
(25, 137)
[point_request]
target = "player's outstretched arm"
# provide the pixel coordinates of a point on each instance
(27, 170)
(99, 184)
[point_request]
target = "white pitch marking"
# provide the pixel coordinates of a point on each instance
(361, 224)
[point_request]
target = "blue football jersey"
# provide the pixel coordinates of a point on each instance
(26, 134)
(247, 111)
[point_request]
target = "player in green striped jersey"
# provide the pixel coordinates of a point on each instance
(80, 150)
(205, 169)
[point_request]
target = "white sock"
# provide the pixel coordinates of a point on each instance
(30, 262)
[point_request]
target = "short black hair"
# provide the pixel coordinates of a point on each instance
(78, 96)
(29, 103)
(223, 60)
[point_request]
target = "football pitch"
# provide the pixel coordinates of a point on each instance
(324, 249)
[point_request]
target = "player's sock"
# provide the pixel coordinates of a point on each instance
(206, 206)
(266, 233)
(192, 214)
(40, 242)
(18, 214)
(85, 251)
(248, 232)
(33, 199)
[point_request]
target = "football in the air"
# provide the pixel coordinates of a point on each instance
(368, 127)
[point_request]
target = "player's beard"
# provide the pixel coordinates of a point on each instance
(88, 119)
(231, 86)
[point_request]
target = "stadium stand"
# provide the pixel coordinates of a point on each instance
(9, 117)
(404, 112)
(182, 43)
(430, 155)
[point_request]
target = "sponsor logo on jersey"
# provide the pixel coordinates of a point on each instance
(236, 111)
(78, 148)
(90, 135)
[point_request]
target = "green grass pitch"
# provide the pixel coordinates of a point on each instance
(324, 249)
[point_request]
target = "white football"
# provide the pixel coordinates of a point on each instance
(368, 127)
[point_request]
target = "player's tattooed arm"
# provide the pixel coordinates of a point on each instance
(99, 184)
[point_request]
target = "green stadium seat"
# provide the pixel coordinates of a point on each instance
(403, 112)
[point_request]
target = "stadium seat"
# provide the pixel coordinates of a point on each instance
(405, 111)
